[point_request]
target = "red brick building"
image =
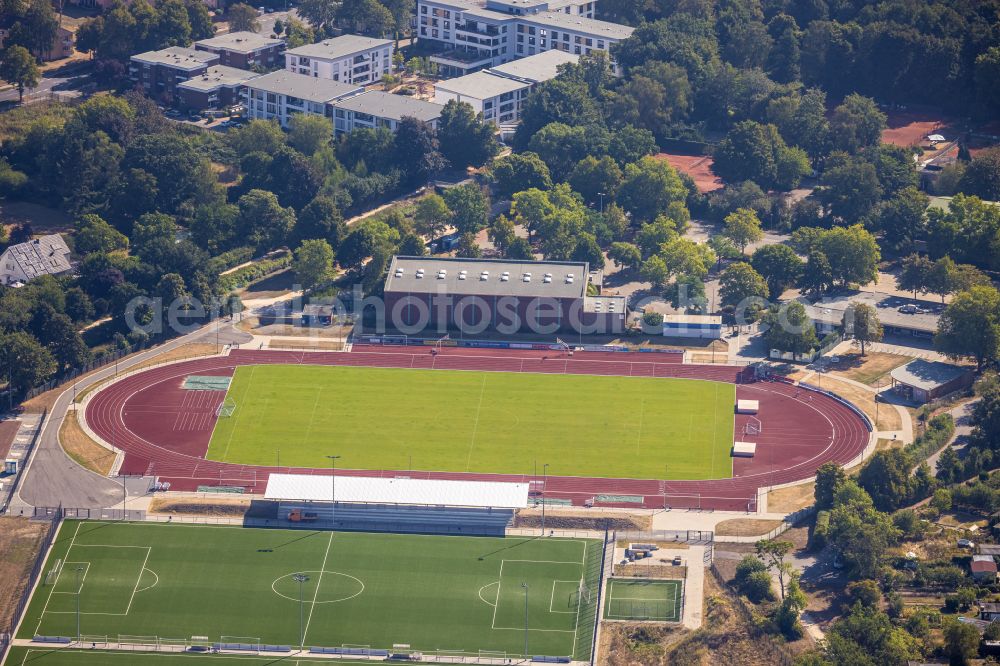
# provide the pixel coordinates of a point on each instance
(504, 296)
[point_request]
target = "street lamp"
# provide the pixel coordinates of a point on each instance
(602, 195)
(525, 586)
(301, 578)
(79, 588)
(333, 488)
(545, 477)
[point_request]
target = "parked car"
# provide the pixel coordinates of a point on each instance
(172, 113)
(965, 543)
(911, 308)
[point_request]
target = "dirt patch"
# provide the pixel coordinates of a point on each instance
(20, 543)
(698, 167)
(272, 286)
(325, 345)
(793, 498)
(193, 507)
(8, 431)
(747, 526)
(581, 522)
(888, 417)
(651, 571)
(867, 369)
(84, 451)
(41, 218)
(909, 128)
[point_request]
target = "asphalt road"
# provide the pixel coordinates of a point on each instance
(52, 477)
(56, 82)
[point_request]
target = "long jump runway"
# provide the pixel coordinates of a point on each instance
(164, 432)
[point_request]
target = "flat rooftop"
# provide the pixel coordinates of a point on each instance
(394, 107)
(240, 42)
(485, 277)
(480, 85)
(537, 68)
(302, 86)
(604, 304)
(927, 375)
(339, 47)
(177, 57)
(692, 319)
(580, 24)
(217, 76)
(380, 490)
(831, 310)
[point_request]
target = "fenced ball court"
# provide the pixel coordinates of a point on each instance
(643, 600)
(153, 587)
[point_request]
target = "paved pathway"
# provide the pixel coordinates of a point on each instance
(963, 429)
(51, 477)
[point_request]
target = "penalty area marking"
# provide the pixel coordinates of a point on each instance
(552, 598)
(316, 573)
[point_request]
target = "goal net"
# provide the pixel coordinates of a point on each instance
(753, 427)
(226, 409)
(584, 593)
(52, 574)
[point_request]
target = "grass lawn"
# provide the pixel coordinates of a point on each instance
(643, 599)
(433, 420)
(377, 590)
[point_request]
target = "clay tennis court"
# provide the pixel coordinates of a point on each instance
(166, 434)
(909, 128)
(698, 167)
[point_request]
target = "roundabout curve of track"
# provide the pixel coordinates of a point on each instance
(164, 430)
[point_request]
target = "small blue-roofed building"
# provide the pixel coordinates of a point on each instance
(708, 327)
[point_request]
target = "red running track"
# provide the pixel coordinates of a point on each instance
(164, 430)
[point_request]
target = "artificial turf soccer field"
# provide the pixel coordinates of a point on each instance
(20, 656)
(377, 590)
(643, 599)
(459, 421)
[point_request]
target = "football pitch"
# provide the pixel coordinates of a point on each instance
(458, 421)
(232, 584)
(20, 656)
(643, 599)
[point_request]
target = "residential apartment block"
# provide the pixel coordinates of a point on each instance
(218, 87)
(381, 109)
(280, 95)
(499, 92)
(478, 35)
(347, 59)
(160, 72)
(245, 50)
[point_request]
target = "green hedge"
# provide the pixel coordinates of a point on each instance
(821, 530)
(939, 431)
(255, 271)
(227, 260)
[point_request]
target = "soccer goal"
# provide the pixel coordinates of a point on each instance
(53, 574)
(226, 409)
(753, 427)
(583, 593)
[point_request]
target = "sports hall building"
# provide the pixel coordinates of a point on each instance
(498, 295)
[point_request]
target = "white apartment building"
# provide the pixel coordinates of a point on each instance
(499, 92)
(381, 109)
(477, 35)
(280, 95)
(347, 59)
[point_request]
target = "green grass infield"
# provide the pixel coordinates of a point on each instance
(231, 584)
(457, 421)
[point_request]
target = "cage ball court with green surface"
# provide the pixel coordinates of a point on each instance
(459, 594)
(474, 421)
(643, 599)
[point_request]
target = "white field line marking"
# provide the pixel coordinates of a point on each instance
(232, 430)
(156, 582)
(552, 597)
(56, 581)
(475, 427)
(138, 579)
(319, 581)
(493, 624)
(497, 583)
(82, 580)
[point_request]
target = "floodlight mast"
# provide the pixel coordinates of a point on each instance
(333, 490)
(301, 578)
(525, 586)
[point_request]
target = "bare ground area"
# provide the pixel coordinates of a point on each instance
(638, 570)
(725, 638)
(888, 417)
(195, 507)
(869, 368)
(793, 498)
(306, 343)
(20, 542)
(84, 451)
(581, 520)
(746, 526)
(41, 218)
